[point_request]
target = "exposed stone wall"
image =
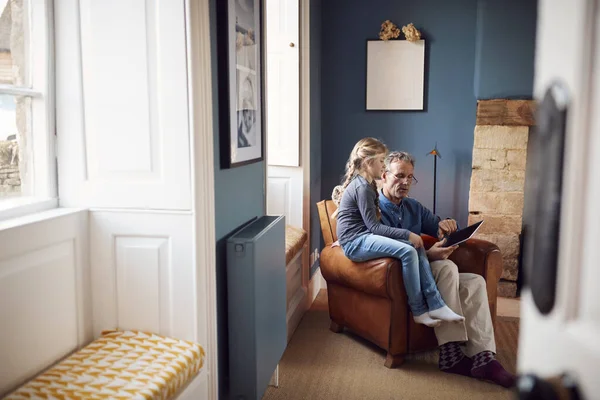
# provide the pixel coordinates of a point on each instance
(10, 182)
(497, 185)
(498, 180)
(10, 179)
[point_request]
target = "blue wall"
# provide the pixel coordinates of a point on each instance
(315, 127)
(239, 198)
(450, 29)
(504, 56)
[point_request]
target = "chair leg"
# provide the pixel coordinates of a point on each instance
(335, 327)
(394, 361)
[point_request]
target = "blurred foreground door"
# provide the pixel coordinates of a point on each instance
(560, 330)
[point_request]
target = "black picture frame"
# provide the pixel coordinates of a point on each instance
(241, 82)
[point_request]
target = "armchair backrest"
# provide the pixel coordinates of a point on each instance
(328, 225)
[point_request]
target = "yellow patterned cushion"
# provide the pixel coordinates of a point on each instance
(119, 365)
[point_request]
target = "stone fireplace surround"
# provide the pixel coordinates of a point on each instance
(498, 179)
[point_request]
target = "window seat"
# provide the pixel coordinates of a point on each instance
(119, 365)
(295, 238)
(295, 244)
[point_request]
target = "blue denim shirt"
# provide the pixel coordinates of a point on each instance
(409, 214)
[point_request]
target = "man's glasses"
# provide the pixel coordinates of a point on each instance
(411, 179)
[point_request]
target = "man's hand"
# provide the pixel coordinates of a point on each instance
(446, 227)
(415, 240)
(437, 252)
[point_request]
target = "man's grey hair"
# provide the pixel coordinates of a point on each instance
(397, 156)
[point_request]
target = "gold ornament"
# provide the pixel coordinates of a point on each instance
(389, 30)
(411, 33)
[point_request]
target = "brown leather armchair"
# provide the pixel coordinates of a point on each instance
(369, 297)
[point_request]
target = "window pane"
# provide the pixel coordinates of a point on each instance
(14, 42)
(15, 157)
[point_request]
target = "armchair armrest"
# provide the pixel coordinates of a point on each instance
(479, 257)
(475, 256)
(483, 258)
(380, 277)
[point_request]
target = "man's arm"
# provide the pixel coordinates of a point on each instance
(429, 222)
(437, 252)
(433, 225)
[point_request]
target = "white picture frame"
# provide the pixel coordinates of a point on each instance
(395, 75)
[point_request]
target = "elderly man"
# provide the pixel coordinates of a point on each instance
(464, 293)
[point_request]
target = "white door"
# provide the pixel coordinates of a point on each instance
(284, 174)
(283, 83)
(122, 105)
(566, 340)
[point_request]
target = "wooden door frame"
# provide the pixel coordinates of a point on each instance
(304, 43)
(304, 13)
(200, 92)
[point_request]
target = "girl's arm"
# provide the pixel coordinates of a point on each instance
(365, 198)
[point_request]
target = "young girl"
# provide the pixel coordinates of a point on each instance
(363, 237)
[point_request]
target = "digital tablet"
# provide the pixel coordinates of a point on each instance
(462, 235)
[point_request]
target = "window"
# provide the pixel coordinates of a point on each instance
(27, 161)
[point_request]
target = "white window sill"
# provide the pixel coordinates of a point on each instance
(37, 216)
(15, 207)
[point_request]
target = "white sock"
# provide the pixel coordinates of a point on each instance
(446, 314)
(425, 319)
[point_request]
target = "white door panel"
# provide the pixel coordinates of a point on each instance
(122, 115)
(566, 339)
(143, 272)
(283, 82)
(278, 198)
(284, 193)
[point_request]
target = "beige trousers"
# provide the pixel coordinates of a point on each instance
(466, 295)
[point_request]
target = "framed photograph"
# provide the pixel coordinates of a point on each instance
(395, 74)
(241, 105)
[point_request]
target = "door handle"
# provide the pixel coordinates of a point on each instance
(543, 185)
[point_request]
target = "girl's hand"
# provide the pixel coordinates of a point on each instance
(415, 240)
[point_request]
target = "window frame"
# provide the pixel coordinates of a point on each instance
(43, 176)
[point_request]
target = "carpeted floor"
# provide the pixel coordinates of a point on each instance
(319, 364)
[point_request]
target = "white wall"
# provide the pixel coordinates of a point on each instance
(45, 308)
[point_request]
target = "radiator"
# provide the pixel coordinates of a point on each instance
(256, 296)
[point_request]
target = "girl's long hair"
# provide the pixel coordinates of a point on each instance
(364, 150)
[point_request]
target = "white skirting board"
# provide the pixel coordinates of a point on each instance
(317, 283)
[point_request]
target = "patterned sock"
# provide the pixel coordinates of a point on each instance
(485, 357)
(450, 355)
(485, 366)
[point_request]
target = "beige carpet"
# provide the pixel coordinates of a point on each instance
(319, 364)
